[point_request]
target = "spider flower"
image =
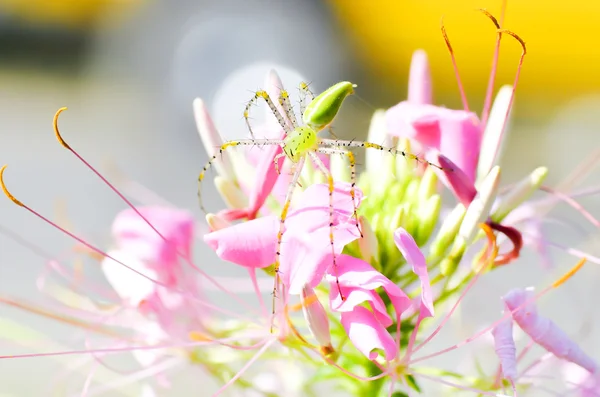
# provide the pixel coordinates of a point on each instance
(305, 243)
(158, 257)
(367, 258)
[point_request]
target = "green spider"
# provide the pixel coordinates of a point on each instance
(301, 143)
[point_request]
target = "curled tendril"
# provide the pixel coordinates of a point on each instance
(57, 131)
(516, 37)
(5, 189)
(490, 16)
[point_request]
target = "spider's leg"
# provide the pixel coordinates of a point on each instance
(370, 145)
(284, 101)
(325, 171)
(305, 93)
(352, 160)
(264, 95)
(225, 146)
(276, 162)
(284, 212)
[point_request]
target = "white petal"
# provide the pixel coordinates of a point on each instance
(493, 136)
(479, 209)
(130, 286)
(211, 139)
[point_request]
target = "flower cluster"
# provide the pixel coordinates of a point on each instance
(361, 265)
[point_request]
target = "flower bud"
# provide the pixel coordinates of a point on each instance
(231, 193)
(519, 193)
(427, 216)
(405, 168)
(375, 162)
(316, 318)
(448, 232)
(491, 144)
(368, 245)
(450, 263)
(428, 185)
(419, 81)
(479, 209)
(458, 181)
(211, 139)
(215, 222)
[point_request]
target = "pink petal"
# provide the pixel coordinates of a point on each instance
(506, 350)
(250, 244)
(419, 80)
(460, 184)
(211, 139)
(316, 316)
(354, 297)
(134, 236)
(253, 243)
(305, 258)
(456, 133)
(415, 121)
(545, 332)
(274, 85)
(367, 334)
(266, 176)
(413, 255)
(460, 140)
(317, 195)
(354, 272)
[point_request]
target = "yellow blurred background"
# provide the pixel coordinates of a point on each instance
(562, 38)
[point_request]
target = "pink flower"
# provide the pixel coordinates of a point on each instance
(471, 144)
(456, 133)
(366, 328)
(142, 248)
(305, 241)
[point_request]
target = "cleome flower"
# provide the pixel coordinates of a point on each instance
(368, 265)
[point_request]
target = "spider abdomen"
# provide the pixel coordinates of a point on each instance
(321, 111)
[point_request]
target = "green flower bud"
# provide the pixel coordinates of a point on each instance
(428, 185)
(405, 168)
(231, 193)
(427, 216)
(521, 192)
(450, 263)
(368, 245)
